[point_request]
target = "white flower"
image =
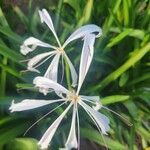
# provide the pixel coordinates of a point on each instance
(66, 96)
(71, 97)
(32, 43)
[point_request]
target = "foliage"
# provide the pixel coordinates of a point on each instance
(120, 68)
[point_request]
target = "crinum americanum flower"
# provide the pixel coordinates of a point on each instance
(32, 43)
(70, 97)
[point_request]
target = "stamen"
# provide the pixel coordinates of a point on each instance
(43, 118)
(98, 129)
(24, 71)
(44, 61)
(122, 117)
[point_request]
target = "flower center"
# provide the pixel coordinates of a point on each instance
(73, 97)
(60, 50)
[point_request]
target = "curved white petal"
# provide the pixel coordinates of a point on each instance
(72, 139)
(72, 70)
(48, 135)
(33, 43)
(52, 71)
(86, 58)
(45, 17)
(102, 120)
(30, 104)
(82, 32)
(47, 84)
(37, 59)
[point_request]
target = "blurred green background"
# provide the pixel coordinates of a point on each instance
(119, 74)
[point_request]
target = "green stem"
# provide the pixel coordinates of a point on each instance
(58, 13)
(136, 56)
(67, 75)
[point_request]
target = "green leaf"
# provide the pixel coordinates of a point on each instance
(143, 77)
(110, 19)
(75, 4)
(126, 13)
(136, 56)
(114, 99)
(118, 38)
(10, 70)
(21, 15)
(22, 144)
(86, 13)
(5, 120)
(105, 59)
(123, 79)
(136, 33)
(3, 78)
(143, 132)
(143, 93)
(96, 137)
(3, 20)
(11, 54)
(10, 34)
(25, 86)
(132, 108)
(10, 129)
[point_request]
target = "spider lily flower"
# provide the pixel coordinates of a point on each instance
(72, 98)
(56, 52)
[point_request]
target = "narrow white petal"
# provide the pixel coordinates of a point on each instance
(72, 70)
(48, 135)
(102, 120)
(33, 43)
(91, 98)
(37, 59)
(97, 106)
(86, 58)
(82, 32)
(45, 17)
(30, 104)
(72, 139)
(46, 83)
(52, 71)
